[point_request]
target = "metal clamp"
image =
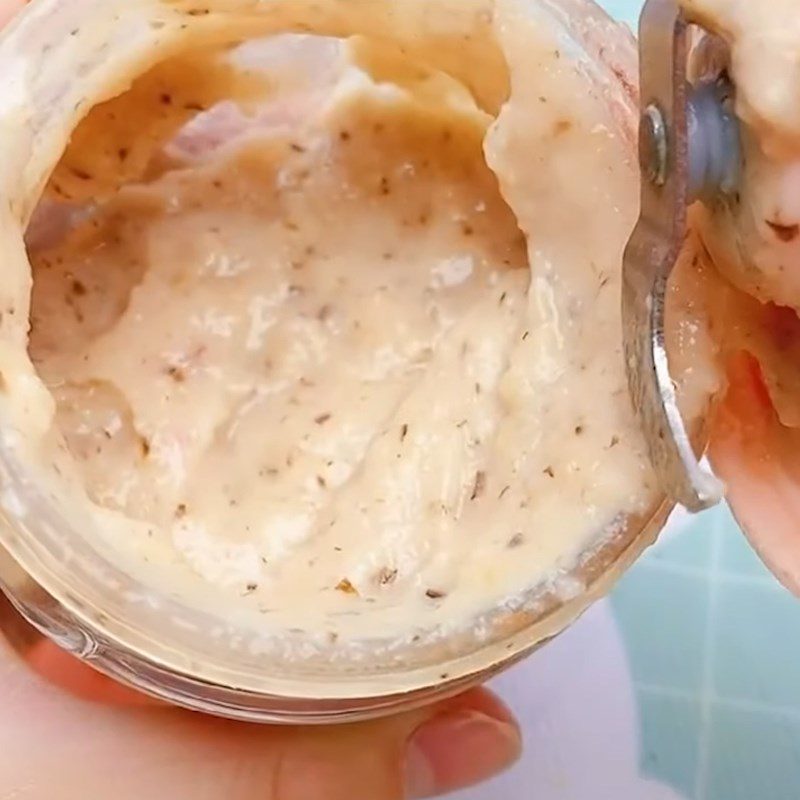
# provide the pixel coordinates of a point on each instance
(689, 150)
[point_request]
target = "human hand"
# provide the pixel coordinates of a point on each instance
(69, 733)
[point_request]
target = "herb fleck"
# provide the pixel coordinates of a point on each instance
(345, 586)
(479, 485)
(386, 576)
(562, 126)
(177, 374)
(516, 541)
(435, 594)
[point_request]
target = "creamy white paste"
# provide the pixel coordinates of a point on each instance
(344, 353)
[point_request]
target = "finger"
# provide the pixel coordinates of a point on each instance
(69, 674)
(57, 745)
(60, 668)
(759, 461)
(8, 8)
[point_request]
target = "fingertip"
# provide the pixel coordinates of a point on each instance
(66, 672)
(8, 8)
(466, 743)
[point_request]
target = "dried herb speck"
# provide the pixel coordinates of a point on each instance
(562, 126)
(479, 485)
(387, 576)
(322, 418)
(177, 374)
(516, 541)
(435, 594)
(345, 586)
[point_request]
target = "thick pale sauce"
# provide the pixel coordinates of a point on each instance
(347, 360)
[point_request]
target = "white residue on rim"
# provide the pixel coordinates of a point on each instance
(452, 272)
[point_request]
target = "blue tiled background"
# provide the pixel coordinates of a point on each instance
(713, 643)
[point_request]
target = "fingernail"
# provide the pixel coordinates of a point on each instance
(458, 749)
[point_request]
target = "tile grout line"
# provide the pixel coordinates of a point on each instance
(721, 576)
(736, 704)
(704, 744)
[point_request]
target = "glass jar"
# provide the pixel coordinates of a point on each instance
(62, 57)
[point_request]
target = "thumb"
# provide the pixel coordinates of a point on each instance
(56, 744)
(8, 8)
